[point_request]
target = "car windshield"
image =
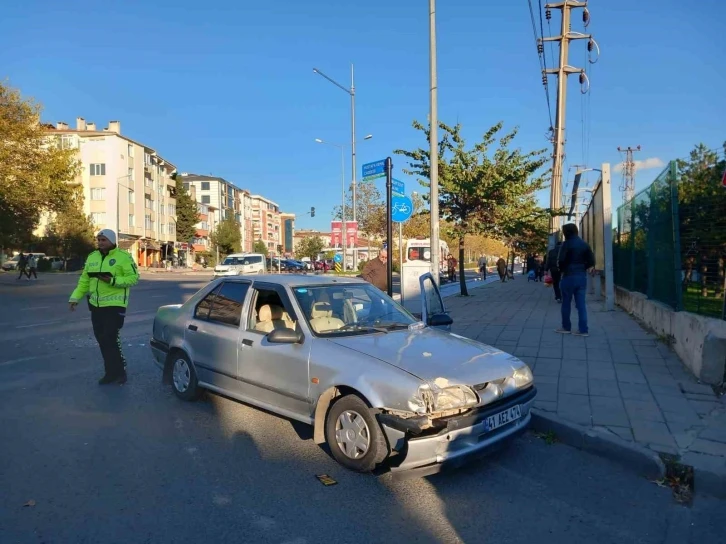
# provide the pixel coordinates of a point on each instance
(340, 309)
(237, 260)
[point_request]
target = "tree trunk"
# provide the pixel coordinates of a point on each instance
(721, 273)
(462, 276)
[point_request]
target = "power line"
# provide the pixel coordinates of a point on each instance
(541, 57)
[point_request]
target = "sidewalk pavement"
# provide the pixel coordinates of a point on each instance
(620, 385)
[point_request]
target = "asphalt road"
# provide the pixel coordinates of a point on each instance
(134, 464)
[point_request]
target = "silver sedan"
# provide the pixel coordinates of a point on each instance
(376, 382)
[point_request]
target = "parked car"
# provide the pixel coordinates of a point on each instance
(377, 383)
(292, 265)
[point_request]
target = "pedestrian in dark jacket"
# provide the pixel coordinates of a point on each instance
(574, 260)
(375, 271)
(553, 269)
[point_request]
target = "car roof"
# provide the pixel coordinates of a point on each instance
(292, 280)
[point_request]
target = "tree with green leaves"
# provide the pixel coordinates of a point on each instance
(702, 201)
(311, 247)
(187, 213)
(34, 168)
(71, 232)
(370, 210)
(227, 236)
(480, 192)
(260, 247)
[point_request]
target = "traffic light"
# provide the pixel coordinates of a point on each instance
(312, 212)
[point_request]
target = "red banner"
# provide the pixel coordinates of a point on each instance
(351, 233)
(336, 236)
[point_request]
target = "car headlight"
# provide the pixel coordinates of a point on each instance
(522, 377)
(431, 398)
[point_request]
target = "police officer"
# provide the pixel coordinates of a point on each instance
(107, 276)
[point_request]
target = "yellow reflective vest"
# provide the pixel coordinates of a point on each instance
(120, 266)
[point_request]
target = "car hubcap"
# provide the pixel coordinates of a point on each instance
(352, 434)
(182, 375)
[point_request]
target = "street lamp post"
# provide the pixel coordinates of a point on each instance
(343, 234)
(351, 92)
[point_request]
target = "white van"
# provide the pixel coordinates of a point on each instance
(238, 264)
(419, 249)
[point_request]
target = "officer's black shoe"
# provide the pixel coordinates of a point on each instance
(122, 379)
(106, 380)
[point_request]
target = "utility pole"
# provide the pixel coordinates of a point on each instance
(628, 185)
(433, 145)
(562, 71)
(352, 145)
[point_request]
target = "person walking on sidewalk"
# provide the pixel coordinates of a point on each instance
(483, 266)
(108, 274)
(502, 269)
(574, 260)
(552, 268)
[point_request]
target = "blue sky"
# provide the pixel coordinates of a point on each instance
(227, 87)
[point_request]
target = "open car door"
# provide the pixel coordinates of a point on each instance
(433, 311)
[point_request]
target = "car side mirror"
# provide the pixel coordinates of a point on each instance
(285, 336)
(440, 320)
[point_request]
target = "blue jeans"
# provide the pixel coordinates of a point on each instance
(574, 286)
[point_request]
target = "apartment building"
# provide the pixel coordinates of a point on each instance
(266, 223)
(219, 199)
(127, 187)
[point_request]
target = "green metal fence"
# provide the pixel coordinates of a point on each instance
(670, 242)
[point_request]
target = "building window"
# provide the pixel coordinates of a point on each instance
(205, 199)
(67, 141)
(98, 169)
(132, 220)
(204, 225)
(148, 223)
(98, 194)
(98, 218)
(172, 209)
(172, 229)
(205, 186)
(130, 175)
(162, 228)
(186, 186)
(132, 197)
(131, 150)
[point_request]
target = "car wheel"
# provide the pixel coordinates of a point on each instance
(184, 378)
(354, 436)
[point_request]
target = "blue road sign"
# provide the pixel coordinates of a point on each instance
(338, 258)
(401, 208)
(373, 170)
(398, 187)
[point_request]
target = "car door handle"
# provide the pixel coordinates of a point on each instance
(247, 342)
(192, 327)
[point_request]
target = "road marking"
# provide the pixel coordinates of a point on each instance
(38, 308)
(41, 324)
(21, 360)
(157, 296)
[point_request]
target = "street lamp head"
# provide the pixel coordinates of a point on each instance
(318, 140)
(368, 137)
(315, 70)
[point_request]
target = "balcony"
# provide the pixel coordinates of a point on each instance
(202, 233)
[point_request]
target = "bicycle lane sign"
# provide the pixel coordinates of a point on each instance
(401, 208)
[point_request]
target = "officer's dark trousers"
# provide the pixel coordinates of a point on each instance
(107, 323)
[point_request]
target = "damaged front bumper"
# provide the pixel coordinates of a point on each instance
(453, 440)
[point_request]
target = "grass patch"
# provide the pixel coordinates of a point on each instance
(695, 302)
(549, 437)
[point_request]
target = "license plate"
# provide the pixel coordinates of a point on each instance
(502, 418)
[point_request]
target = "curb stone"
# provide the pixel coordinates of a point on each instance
(709, 473)
(641, 460)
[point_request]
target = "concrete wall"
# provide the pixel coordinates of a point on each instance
(699, 341)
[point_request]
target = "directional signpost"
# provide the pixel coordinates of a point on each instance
(374, 170)
(398, 188)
